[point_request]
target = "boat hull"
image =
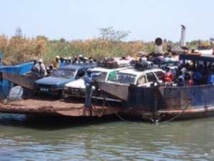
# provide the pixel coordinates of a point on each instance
(164, 103)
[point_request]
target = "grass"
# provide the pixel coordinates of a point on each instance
(21, 49)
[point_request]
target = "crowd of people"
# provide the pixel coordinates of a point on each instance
(190, 74)
(39, 69)
(186, 74)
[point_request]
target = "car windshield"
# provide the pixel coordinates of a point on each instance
(125, 78)
(64, 73)
(101, 77)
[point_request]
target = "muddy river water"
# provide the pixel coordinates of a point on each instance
(109, 139)
(104, 140)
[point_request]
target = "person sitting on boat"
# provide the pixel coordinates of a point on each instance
(35, 68)
(42, 69)
(188, 79)
(69, 60)
(210, 79)
(78, 59)
(91, 60)
(50, 69)
(180, 79)
(56, 63)
(62, 62)
(168, 76)
(197, 76)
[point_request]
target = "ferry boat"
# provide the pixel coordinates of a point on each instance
(162, 103)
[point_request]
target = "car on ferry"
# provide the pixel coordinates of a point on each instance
(139, 78)
(54, 84)
(77, 88)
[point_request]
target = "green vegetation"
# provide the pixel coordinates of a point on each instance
(20, 49)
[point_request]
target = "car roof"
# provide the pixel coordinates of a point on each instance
(101, 69)
(133, 71)
(78, 66)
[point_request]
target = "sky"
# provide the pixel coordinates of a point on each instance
(81, 19)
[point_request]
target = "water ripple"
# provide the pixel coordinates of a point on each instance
(109, 141)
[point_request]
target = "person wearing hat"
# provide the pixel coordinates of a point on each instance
(35, 68)
(42, 69)
(69, 60)
(56, 63)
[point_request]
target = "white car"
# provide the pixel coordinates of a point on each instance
(77, 88)
(139, 78)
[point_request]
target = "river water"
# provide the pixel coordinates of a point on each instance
(104, 140)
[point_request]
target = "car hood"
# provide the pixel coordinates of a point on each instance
(53, 80)
(76, 84)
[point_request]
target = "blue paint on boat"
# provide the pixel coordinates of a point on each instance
(5, 85)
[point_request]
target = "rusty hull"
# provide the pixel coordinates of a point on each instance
(168, 114)
(55, 107)
(171, 102)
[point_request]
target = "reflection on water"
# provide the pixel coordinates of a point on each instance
(65, 139)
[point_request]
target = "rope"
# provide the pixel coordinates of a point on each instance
(178, 115)
(96, 111)
(5, 99)
(19, 93)
(120, 117)
(103, 105)
(104, 101)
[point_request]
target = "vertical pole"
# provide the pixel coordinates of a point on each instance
(155, 117)
(183, 35)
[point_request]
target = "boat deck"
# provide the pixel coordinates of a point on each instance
(68, 107)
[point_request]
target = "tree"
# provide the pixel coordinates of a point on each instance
(110, 34)
(62, 40)
(18, 32)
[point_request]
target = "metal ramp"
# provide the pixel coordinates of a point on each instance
(26, 81)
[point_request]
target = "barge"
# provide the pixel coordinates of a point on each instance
(155, 103)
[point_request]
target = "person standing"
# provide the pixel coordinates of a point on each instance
(88, 88)
(89, 79)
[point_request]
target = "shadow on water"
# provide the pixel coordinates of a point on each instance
(55, 123)
(52, 123)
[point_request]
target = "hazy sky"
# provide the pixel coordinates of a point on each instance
(80, 19)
